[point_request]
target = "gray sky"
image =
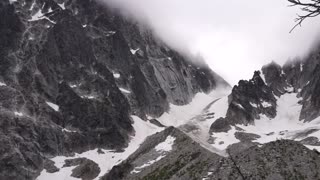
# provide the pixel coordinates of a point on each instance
(235, 37)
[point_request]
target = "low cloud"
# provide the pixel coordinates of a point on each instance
(234, 37)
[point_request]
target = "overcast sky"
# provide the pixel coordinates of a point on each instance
(235, 37)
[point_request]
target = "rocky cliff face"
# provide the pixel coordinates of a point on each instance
(81, 87)
(246, 102)
(71, 73)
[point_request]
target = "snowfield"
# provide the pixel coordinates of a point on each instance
(181, 115)
(198, 115)
(286, 125)
(109, 159)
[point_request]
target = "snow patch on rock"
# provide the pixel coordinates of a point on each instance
(39, 16)
(163, 148)
(20, 114)
(88, 97)
(12, 1)
(124, 91)
(53, 106)
(134, 51)
(253, 105)
(116, 75)
(32, 6)
(166, 145)
(239, 105)
(62, 5)
(67, 130)
(266, 104)
(149, 163)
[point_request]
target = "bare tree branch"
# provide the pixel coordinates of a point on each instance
(312, 9)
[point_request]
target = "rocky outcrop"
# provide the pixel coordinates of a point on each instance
(186, 160)
(276, 160)
(85, 169)
(275, 78)
(282, 159)
(310, 90)
(248, 100)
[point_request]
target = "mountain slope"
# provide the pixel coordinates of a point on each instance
(72, 73)
(87, 93)
(186, 159)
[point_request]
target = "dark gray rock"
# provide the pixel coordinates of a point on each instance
(312, 141)
(246, 137)
(304, 133)
(50, 167)
(310, 94)
(85, 169)
(246, 104)
(220, 125)
(275, 78)
(237, 148)
(276, 160)
(156, 122)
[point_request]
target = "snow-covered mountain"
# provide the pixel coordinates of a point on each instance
(86, 93)
(258, 130)
(75, 77)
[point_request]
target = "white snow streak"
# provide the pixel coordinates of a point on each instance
(63, 7)
(53, 106)
(32, 6)
(116, 75)
(124, 91)
(88, 97)
(134, 51)
(18, 114)
(266, 104)
(67, 130)
(253, 105)
(149, 163)
(12, 1)
(39, 16)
